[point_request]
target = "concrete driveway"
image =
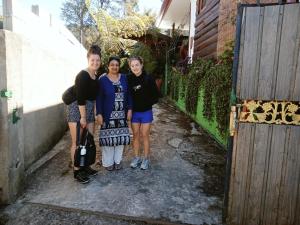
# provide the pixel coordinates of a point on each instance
(183, 186)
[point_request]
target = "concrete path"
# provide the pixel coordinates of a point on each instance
(183, 186)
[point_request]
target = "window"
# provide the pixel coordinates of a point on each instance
(201, 5)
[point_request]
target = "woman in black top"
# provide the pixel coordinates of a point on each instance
(83, 110)
(144, 94)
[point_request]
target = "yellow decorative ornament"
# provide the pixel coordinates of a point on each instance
(274, 112)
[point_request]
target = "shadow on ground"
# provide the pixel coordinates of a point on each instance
(183, 186)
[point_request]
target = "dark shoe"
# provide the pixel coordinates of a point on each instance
(81, 176)
(110, 168)
(90, 171)
(118, 166)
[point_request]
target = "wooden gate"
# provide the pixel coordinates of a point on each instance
(265, 170)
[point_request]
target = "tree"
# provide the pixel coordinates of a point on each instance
(130, 7)
(80, 22)
(115, 32)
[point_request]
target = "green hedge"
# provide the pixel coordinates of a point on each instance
(204, 93)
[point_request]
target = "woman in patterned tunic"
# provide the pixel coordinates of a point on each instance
(113, 109)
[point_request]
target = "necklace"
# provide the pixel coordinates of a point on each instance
(113, 78)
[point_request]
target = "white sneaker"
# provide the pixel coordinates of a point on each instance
(145, 164)
(135, 162)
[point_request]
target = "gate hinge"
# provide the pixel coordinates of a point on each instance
(234, 116)
(232, 120)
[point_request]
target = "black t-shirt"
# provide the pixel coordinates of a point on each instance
(85, 87)
(144, 92)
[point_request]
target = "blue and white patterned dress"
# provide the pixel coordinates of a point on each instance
(116, 132)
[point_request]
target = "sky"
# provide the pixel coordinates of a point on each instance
(54, 6)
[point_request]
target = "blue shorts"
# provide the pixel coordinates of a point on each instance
(142, 117)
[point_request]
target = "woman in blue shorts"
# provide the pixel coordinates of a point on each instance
(144, 94)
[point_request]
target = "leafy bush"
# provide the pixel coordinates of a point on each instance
(214, 78)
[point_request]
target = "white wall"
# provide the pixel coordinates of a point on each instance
(38, 61)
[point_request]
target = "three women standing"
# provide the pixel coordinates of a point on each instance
(116, 95)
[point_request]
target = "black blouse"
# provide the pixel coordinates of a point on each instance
(85, 87)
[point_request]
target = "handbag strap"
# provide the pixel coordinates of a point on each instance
(78, 134)
(81, 140)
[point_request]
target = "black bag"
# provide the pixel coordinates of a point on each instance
(85, 153)
(69, 96)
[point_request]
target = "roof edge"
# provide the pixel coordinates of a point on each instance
(164, 8)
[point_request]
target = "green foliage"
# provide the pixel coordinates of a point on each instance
(115, 33)
(115, 26)
(222, 95)
(197, 74)
(174, 83)
(214, 79)
(130, 7)
(108, 23)
(79, 21)
(140, 49)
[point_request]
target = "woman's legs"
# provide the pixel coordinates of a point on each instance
(136, 161)
(118, 154)
(91, 127)
(73, 132)
(107, 156)
(136, 138)
(145, 132)
(78, 175)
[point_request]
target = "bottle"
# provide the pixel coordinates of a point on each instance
(82, 155)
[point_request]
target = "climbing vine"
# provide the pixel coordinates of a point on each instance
(174, 84)
(198, 72)
(223, 88)
(213, 80)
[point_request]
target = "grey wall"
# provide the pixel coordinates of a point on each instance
(11, 134)
(45, 74)
(37, 76)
